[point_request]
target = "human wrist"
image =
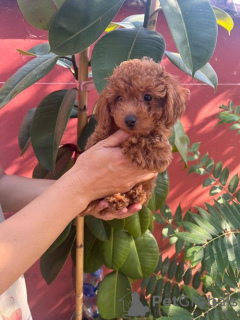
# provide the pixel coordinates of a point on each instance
(74, 190)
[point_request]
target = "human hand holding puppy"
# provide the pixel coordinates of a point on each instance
(100, 177)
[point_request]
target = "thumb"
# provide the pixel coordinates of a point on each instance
(115, 139)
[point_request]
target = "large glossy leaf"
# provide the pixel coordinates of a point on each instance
(79, 23)
(181, 140)
(114, 292)
(39, 13)
(42, 49)
(99, 228)
(51, 263)
(92, 252)
(86, 133)
(224, 19)
(116, 250)
(206, 74)
(137, 224)
(123, 45)
(194, 30)
(63, 163)
(24, 131)
(130, 22)
(160, 192)
(142, 258)
(30, 73)
(49, 123)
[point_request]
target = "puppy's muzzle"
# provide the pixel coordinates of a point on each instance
(130, 121)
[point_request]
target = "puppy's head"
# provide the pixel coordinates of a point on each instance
(141, 97)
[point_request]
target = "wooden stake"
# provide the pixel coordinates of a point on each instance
(155, 4)
(82, 121)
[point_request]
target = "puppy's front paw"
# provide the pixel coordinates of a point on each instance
(117, 202)
(137, 195)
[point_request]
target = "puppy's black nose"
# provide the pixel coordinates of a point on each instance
(130, 121)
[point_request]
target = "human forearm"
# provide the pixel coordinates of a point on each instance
(16, 192)
(25, 236)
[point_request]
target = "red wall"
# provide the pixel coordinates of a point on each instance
(57, 300)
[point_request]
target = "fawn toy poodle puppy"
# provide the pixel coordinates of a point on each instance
(145, 101)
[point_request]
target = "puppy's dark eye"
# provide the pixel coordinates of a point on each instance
(119, 98)
(147, 97)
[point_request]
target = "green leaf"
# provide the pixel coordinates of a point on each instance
(179, 245)
(138, 223)
(207, 280)
(188, 22)
(215, 190)
(175, 312)
(166, 290)
(223, 19)
(51, 263)
(205, 224)
(233, 184)
(208, 182)
(64, 162)
(49, 123)
(142, 258)
(113, 293)
(195, 255)
(93, 259)
(199, 300)
(197, 169)
(189, 237)
(87, 131)
(161, 189)
(178, 214)
(134, 21)
(30, 73)
(172, 269)
(196, 280)
(150, 285)
(99, 228)
(209, 165)
(165, 266)
(198, 231)
(217, 170)
(123, 45)
(181, 140)
(235, 126)
(187, 276)
(204, 159)
(206, 74)
(39, 13)
(159, 265)
(24, 136)
(179, 271)
(72, 33)
(116, 250)
(222, 259)
(238, 195)
(224, 176)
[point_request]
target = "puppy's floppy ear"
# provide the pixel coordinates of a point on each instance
(102, 113)
(175, 100)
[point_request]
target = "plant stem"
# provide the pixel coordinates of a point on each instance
(151, 14)
(147, 13)
(82, 121)
(75, 67)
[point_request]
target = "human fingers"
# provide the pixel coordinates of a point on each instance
(116, 139)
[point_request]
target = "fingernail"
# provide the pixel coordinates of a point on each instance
(103, 205)
(122, 211)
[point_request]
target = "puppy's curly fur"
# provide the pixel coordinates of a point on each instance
(144, 100)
